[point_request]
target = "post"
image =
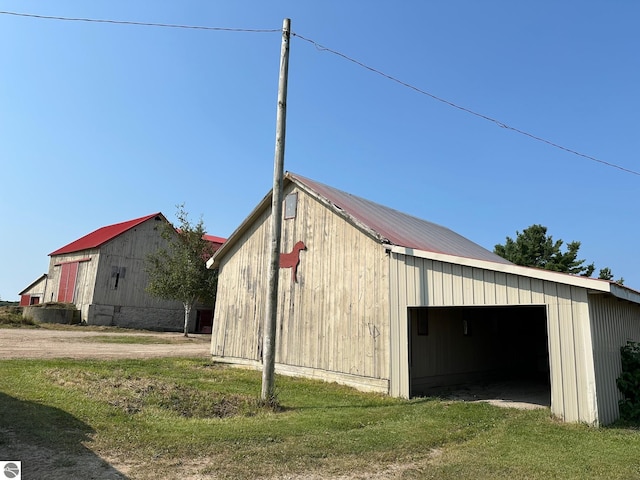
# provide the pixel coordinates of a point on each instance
(271, 314)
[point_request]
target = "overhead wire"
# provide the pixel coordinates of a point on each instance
(321, 47)
(143, 24)
(464, 109)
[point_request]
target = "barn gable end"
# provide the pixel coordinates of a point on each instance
(323, 329)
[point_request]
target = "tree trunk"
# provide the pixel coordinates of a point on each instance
(187, 314)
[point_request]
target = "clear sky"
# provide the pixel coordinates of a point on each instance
(102, 123)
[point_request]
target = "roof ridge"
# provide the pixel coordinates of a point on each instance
(102, 235)
(397, 227)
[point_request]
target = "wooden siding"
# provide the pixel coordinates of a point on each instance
(95, 293)
(34, 293)
(333, 322)
(614, 322)
(126, 255)
(424, 282)
(85, 279)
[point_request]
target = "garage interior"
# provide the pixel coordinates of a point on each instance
(480, 353)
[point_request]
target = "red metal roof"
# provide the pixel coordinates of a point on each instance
(397, 228)
(217, 241)
(102, 235)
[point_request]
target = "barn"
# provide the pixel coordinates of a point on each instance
(103, 274)
(384, 301)
(34, 293)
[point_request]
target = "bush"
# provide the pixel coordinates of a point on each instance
(629, 382)
(13, 316)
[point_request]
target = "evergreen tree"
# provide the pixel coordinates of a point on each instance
(534, 248)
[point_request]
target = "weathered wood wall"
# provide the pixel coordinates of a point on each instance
(332, 323)
(102, 301)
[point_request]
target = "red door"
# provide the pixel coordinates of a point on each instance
(67, 283)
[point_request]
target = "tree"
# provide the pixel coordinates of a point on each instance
(534, 248)
(605, 274)
(178, 271)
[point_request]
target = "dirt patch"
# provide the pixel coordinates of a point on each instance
(525, 395)
(44, 343)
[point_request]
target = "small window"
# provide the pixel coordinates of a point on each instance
(117, 274)
(290, 206)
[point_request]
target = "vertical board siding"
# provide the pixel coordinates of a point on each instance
(98, 296)
(449, 285)
(614, 322)
(242, 283)
(333, 319)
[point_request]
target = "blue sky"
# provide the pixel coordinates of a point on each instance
(102, 123)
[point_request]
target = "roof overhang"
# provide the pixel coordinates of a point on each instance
(592, 284)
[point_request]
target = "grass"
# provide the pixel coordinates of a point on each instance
(11, 316)
(164, 416)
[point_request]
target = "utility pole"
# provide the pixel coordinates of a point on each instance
(271, 314)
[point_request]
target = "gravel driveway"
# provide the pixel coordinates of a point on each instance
(44, 343)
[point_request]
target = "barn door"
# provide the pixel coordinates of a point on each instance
(67, 283)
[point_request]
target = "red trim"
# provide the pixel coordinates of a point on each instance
(86, 259)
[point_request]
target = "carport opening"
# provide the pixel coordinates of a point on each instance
(480, 353)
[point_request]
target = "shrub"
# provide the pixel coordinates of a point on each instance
(13, 316)
(629, 382)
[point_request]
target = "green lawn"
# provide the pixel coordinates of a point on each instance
(163, 415)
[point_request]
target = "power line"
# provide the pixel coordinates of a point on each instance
(464, 109)
(345, 57)
(143, 24)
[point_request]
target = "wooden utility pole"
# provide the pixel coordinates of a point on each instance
(271, 314)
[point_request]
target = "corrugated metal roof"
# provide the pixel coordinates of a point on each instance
(397, 228)
(102, 235)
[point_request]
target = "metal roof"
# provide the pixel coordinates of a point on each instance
(214, 239)
(102, 235)
(394, 227)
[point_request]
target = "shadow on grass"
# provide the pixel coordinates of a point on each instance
(49, 442)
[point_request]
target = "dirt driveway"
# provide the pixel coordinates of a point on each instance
(44, 343)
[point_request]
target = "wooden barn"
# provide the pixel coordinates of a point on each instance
(384, 301)
(103, 274)
(34, 293)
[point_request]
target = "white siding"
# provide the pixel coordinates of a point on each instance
(614, 322)
(425, 282)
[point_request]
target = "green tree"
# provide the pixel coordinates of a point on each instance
(178, 271)
(534, 248)
(606, 274)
